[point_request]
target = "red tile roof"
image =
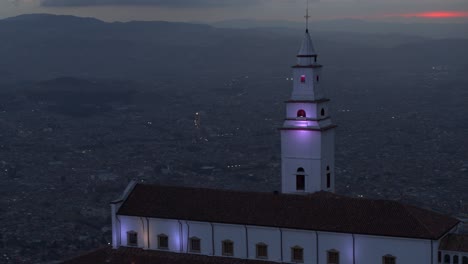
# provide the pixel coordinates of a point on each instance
(321, 211)
(124, 255)
(454, 242)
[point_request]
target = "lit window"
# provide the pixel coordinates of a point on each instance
(388, 259)
(163, 241)
(228, 248)
(300, 179)
(297, 254)
(333, 257)
(262, 251)
(301, 113)
(132, 239)
(195, 244)
(303, 79)
(322, 112)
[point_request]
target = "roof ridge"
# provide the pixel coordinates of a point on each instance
(407, 208)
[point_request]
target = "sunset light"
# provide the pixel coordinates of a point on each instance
(434, 14)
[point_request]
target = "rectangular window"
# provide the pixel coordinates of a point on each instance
(228, 248)
(195, 245)
(297, 254)
(132, 239)
(262, 251)
(388, 260)
(333, 257)
(328, 180)
(303, 79)
(300, 182)
(163, 242)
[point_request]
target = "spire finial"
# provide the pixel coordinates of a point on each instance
(307, 17)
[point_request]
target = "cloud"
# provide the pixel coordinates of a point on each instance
(160, 3)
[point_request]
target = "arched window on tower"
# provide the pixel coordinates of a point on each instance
(301, 113)
(455, 259)
(300, 179)
(322, 112)
(447, 258)
(328, 177)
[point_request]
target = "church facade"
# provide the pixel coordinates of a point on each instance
(305, 223)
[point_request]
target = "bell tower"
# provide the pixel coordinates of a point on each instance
(308, 134)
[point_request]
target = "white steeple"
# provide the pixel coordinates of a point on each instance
(308, 134)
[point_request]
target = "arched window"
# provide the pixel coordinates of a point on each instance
(262, 251)
(322, 112)
(333, 257)
(455, 259)
(132, 239)
(447, 258)
(301, 113)
(465, 260)
(300, 179)
(195, 244)
(163, 241)
(389, 259)
(328, 177)
(297, 254)
(228, 248)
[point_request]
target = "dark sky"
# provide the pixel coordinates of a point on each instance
(215, 10)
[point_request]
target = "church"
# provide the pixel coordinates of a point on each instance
(304, 223)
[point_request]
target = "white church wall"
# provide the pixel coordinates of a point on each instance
(203, 232)
(341, 242)
(309, 89)
(115, 227)
(301, 143)
(371, 249)
(173, 229)
(135, 224)
(328, 158)
(435, 251)
(235, 233)
(302, 89)
(311, 168)
(302, 238)
(267, 235)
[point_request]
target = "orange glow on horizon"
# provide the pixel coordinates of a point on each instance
(433, 14)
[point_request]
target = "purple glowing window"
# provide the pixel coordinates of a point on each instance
(301, 113)
(303, 79)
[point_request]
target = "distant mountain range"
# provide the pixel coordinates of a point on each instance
(431, 30)
(40, 47)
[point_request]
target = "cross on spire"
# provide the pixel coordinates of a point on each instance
(307, 17)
